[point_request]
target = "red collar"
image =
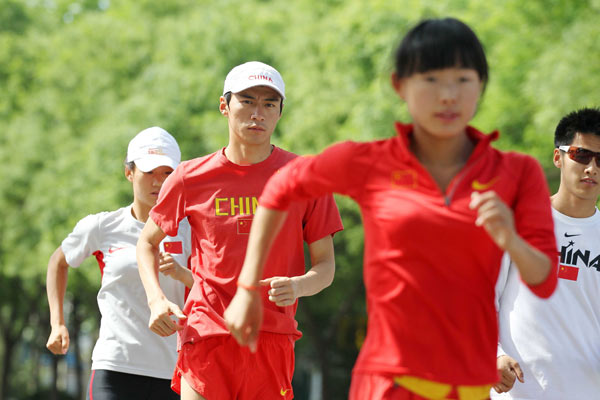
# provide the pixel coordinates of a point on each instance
(480, 139)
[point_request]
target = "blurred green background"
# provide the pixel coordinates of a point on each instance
(78, 79)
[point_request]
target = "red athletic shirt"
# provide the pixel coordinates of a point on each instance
(220, 198)
(429, 271)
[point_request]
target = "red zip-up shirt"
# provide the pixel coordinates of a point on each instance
(429, 271)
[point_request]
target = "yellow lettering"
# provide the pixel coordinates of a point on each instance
(234, 206)
(238, 206)
(254, 205)
(218, 206)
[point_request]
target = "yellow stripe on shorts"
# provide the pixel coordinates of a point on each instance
(436, 390)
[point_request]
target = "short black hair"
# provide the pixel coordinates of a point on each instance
(437, 44)
(585, 120)
(130, 165)
(227, 96)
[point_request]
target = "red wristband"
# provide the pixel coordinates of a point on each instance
(247, 287)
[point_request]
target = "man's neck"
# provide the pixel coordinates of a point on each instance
(248, 155)
(572, 206)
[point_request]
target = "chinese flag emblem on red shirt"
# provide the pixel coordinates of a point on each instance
(566, 272)
(173, 247)
(243, 226)
(404, 179)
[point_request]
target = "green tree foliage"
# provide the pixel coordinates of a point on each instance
(78, 78)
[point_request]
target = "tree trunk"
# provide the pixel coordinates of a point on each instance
(75, 343)
(6, 363)
(320, 342)
(54, 388)
(35, 357)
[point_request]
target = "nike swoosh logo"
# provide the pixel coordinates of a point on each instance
(112, 250)
(574, 234)
(476, 185)
(283, 392)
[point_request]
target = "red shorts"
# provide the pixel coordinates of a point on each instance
(219, 368)
(383, 387)
(378, 387)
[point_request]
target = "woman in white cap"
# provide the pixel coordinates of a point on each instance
(129, 361)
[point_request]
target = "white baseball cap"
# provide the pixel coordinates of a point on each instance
(253, 73)
(152, 148)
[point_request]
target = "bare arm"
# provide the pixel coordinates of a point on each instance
(243, 317)
(285, 290)
(169, 267)
(56, 286)
(161, 308)
(497, 219)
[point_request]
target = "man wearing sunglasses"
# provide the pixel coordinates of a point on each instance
(553, 346)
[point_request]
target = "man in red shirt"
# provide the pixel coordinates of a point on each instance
(218, 193)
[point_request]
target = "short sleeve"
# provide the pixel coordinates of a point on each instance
(170, 207)
(83, 241)
(322, 218)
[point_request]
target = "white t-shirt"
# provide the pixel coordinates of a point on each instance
(556, 341)
(125, 343)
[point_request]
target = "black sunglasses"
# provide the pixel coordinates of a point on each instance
(581, 155)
